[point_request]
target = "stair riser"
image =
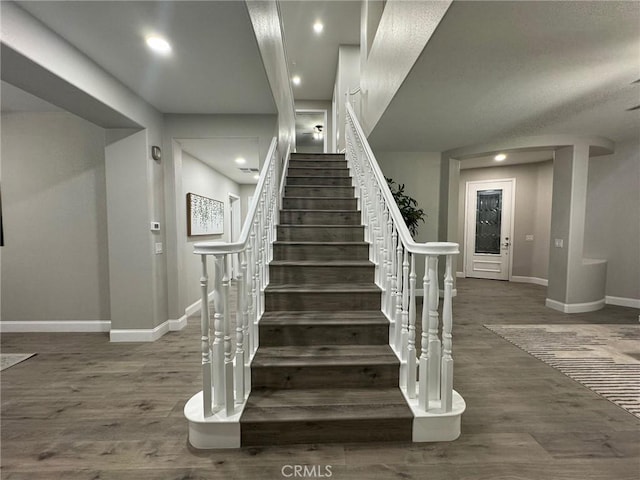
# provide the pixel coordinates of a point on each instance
(330, 191)
(320, 203)
(331, 181)
(321, 234)
(331, 431)
(315, 164)
(318, 172)
(337, 376)
(283, 335)
(320, 252)
(321, 301)
(303, 274)
(311, 217)
(318, 157)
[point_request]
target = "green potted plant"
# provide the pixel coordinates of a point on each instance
(408, 206)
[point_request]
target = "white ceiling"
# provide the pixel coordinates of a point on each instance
(214, 50)
(314, 57)
(220, 154)
(500, 70)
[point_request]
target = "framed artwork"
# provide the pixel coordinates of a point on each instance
(205, 216)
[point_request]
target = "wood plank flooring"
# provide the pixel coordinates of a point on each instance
(84, 408)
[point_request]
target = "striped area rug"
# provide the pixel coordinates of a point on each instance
(603, 358)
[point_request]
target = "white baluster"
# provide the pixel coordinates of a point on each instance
(241, 315)
(405, 306)
(218, 332)
(423, 382)
(400, 326)
(434, 340)
(411, 341)
(229, 401)
(447, 340)
(205, 341)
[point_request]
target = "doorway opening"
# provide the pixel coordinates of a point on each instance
(235, 227)
(311, 131)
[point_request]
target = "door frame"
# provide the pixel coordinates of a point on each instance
(467, 213)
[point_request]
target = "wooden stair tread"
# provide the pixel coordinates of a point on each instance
(323, 210)
(322, 263)
(303, 242)
(295, 225)
(326, 413)
(358, 317)
(315, 355)
(302, 397)
(324, 288)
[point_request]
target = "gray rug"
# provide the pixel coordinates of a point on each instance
(10, 359)
(603, 358)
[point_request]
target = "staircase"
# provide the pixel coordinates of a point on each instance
(324, 371)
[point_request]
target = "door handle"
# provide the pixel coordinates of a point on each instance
(506, 243)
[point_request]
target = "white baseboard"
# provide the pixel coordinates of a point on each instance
(460, 275)
(195, 306)
(535, 280)
(54, 326)
(622, 301)
(575, 307)
(179, 324)
(139, 334)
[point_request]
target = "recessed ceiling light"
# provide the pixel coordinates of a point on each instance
(318, 26)
(296, 80)
(240, 161)
(500, 157)
(256, 176)
(158, 44)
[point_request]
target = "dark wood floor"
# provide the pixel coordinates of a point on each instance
(84, 408)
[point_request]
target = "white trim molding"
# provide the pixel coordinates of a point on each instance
(139, 334)
(622, 301)
(535, 280)
(461, 275)
(177, 325)
(575, 307)
(54, 326)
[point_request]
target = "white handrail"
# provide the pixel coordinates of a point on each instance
(428, 248)
(393, 252)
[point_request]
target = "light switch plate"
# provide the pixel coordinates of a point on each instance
(528, 238)
(158, 248)
(155, 226)
(559, 243)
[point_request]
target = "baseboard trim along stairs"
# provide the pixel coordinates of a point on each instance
(324, 371)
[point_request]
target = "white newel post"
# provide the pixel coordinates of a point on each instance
(240, 331)
(228, 354)
(423, 382)
(205, 341)
(434, 340)
(447, 340)
(411, 342)
(218, 332)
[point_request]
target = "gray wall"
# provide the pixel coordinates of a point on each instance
(201, 179)
(177, 127)
(532, 214)
(55, 262)
(420, 173)
(612, 225)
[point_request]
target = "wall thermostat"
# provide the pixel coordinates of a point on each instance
(156, 153)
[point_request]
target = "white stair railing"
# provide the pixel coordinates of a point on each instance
(395, 253)
(226, 379)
